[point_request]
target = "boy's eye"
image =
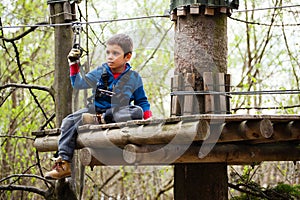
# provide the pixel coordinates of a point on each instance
(115, 53)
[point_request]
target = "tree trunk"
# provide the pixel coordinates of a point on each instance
(200, 46)
(62, 85)
(200, 181)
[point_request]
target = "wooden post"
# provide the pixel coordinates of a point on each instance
(63, 44)
(60, 13)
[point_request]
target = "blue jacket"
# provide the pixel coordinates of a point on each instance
(131, 91)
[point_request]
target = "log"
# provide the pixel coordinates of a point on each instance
(253, 129)
(46, 144)
(244, 153)
(135, 154)
(183, 132)
(221, 153)
(240, 131)
(101, 156)
(184, 129)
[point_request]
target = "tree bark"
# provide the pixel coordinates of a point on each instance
(200, 181)
(200, 46)
(62, 85)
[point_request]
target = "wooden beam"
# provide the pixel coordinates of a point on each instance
(157, 133)
(176, 154)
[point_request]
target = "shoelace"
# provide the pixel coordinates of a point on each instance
(58, 165)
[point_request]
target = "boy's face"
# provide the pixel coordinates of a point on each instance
(115, 58)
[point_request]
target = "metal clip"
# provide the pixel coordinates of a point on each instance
(100, 92)
(77, 28)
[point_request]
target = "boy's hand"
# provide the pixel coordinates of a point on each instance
(74, 55)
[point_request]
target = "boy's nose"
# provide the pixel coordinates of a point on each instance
(109, 56)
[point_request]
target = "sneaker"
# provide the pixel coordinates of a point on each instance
(61, 169)
(95, 119)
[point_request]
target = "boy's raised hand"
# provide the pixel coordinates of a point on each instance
(74, 55)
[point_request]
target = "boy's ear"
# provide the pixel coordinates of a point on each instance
(128, 56)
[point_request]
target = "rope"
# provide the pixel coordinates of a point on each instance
(91, 22)
(268, 8)
(263, 92)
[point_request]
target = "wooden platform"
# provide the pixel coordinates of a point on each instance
(208, 138)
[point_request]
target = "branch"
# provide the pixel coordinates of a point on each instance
(24, 33)
(18, 137)
(165, 188)
(23, 188)
(156, 49)
(24, 80)
(37, 87)
(26, 175)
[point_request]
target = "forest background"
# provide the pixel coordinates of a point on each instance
(264, 53)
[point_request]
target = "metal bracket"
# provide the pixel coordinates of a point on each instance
(62, 1)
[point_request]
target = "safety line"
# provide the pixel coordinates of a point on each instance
(263, 92)
(92, 22)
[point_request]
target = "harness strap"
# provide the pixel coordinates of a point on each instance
(105, 77)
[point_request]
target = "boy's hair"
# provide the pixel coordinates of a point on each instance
(123, 40)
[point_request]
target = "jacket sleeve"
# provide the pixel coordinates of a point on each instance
(78, 82)
(141, 99)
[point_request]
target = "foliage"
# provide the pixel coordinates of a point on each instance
(255, 58)
(255, 62)
(247, 183)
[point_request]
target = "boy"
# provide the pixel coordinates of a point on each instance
(115, 87)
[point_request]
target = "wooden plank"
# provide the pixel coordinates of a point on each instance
(173, 16)
(52, 12)
(209, 11)
(189, 84)
(181, 11)
(67, 11)
(194, 9)
(208, 86)
(223, 10)
(221, 99)
(227, 89)
(177, 83)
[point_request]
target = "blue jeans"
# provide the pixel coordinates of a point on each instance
(69, 127)
(68, 135)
